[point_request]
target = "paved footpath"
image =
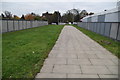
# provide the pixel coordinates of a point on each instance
(75, 55)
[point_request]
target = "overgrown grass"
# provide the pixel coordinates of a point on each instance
(25, 51)
(110, 44)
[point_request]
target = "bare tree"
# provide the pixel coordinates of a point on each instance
(8, 14)
(83, 13)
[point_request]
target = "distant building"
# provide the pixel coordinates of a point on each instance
(112, 15)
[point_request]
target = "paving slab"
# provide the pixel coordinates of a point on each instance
(79, 62)
(108, 76)
(66, 69)
(47, 68)
(102, 62)
(113, 69)
(75, 55)
(82, 76)
(50, 75)
(95, 69)
(55, 61)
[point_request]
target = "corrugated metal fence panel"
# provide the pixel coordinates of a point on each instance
(20, 25)
(98, 27)
(36, 24)
(0, 26)
(41, 23)
(10, 25)
(113, 32)
(24, 25)
(90, 27)
(111, 17)
(16, 25)
(118, 34)
(119, 16)
(93, 26)
(28, 24)
(95, 30)
(4, 26)
(85, 25)
(102, 28)
(32, 24)
(107, 29)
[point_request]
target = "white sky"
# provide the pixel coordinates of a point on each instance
(19, 7)
(60, 0)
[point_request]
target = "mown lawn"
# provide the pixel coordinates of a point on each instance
(25, 51)
(110, 44)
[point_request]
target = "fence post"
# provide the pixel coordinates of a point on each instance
(104, 29)
(13, 26)
(7, 26)
(22, 24)
(110, 29)
(26, 25)
(118, 31)
(18, 25)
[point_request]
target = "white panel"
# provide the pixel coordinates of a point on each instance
(20, 25)
(94, 19)
(114, 29)
(24, 25)
(10, 25)
(112, 17)
(84, 20)
(16, 25)
(4, 26)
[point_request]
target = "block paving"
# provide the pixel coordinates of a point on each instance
(75, 55)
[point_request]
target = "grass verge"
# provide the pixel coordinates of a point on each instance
(110, 44)
(25, 51)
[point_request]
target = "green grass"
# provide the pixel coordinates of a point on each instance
(110, 44)
(25, 51)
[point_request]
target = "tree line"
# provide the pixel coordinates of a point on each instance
(73, 15)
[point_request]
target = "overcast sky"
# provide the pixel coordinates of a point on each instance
(19, 7)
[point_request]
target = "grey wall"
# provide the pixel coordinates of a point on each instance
(112, 17)
(14, 25)
(24, 25)
(101, 18)
(108, 29)
(20, 25)
(114, 28)
(118, 34)
(94, 19)
(5, 28)
(28, 24)
(89, 19)
(10, 26)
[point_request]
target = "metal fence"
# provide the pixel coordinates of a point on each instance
(108, 29)
(14, 25)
